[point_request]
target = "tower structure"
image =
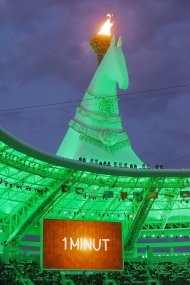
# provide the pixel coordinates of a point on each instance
(96, 132)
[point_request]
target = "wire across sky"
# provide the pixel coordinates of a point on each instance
(121, 96)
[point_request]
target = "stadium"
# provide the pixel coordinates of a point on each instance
(94, 213)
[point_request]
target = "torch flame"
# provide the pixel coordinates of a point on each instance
(106, 28)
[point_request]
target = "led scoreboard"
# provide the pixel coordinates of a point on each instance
(84, 245)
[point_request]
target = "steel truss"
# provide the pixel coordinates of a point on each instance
(22, 176)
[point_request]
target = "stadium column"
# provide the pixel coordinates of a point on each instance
(3, 238)
(149, 254)
(172, 251)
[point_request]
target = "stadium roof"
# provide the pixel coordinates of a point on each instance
(35, 184)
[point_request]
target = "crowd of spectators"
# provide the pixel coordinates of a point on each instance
(37, 276)
(137, 273)
(8, 275)
(90, 279)
(168, 273)
(134, 273)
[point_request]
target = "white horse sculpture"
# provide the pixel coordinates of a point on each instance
(96, 131)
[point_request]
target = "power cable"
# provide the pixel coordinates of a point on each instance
(79, 100)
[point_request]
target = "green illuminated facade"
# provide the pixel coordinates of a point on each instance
(150, 203)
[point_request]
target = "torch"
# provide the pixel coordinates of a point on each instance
(101, 41)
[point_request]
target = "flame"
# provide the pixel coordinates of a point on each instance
(106, 28)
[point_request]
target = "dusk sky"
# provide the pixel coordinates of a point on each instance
(45, 58)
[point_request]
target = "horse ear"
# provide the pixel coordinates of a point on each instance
(119, 43)
(112, 41)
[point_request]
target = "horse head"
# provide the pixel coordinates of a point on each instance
(114, 64)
